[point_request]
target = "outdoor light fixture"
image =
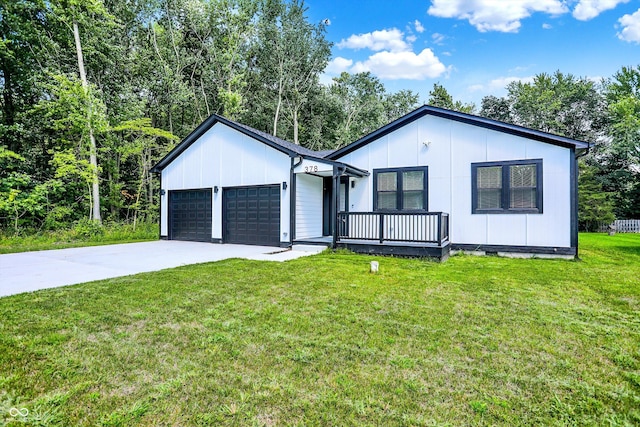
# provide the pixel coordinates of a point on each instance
(162, 192)
(215, 189)
(353, 184)
(284, 185)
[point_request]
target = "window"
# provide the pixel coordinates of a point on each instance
(400, 189)
(507, 187)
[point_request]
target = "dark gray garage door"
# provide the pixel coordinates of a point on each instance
(251, 215)
(190, 215)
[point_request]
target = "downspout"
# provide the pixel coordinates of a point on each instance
(337, 173)
(576, 173)
(292, 198)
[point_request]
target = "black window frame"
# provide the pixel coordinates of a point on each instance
(400, 191)
(505, 196)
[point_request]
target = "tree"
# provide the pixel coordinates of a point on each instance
(595, 206)
(142, 145)
(72, 12)
(619, 158)
(439, 97)
(559, 103)
(73, 113)
(290, 54)
(360, 97)
(496, 108)
(399, 103)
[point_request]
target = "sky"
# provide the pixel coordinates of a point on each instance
(475, 48)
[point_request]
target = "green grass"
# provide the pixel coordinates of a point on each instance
(321, 341)
(80, 235)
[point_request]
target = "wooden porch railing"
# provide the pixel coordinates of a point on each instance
(414, 227)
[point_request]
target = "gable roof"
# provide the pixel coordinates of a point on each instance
(274, 142)
(464, 118)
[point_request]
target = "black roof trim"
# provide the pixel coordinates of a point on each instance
(279, 144)
(464, 118)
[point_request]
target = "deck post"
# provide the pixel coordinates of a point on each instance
(381, 228)
(440, 228)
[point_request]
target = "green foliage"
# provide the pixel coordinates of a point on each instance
(618, 160)
(595, 206)
(439, 97)
(87, 228)
(83, 232)
(558, 103)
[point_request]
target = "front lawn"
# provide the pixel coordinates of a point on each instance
(321, 341)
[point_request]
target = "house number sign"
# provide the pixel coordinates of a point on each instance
(311, 168)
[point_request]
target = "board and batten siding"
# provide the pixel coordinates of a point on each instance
(224, 157)
(308, 206)
(449, 148)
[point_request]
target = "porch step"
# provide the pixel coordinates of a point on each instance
(309, 248)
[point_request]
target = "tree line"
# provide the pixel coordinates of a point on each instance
(94, 92)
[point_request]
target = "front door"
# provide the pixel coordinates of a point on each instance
(327, 202)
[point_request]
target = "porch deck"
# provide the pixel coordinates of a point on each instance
(413, 234)
(407, 249)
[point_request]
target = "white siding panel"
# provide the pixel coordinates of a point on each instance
(502, 146)
(439, 196)
(402, 146)
(164, 211)
(437, 134)
(308, 206)
(378, 156)
(361, 195)
(552, 228)
(452, 147)
(464, 227)
(507, 229)
(224, 157)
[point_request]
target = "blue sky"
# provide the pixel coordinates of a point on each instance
(475, 47)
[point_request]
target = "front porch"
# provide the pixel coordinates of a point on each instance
(328, 210)
(415, 234)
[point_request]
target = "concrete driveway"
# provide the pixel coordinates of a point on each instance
(30, 271)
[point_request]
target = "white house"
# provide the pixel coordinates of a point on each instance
(432, 181)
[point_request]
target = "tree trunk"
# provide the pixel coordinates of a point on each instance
(295, 126)
(280, 90)
(93, 157)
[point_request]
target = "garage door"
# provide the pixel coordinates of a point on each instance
(251, 215)
(190, 215)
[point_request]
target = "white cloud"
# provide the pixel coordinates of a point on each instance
(378, 40)
(498, 84)
(411, 38)
(589, 9)
(437, 38)
(492, 15)
(402, 65)
(338, 65)
(546, 26)
(630, 27)
(419, 26)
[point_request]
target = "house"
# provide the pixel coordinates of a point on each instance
(430, 182)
